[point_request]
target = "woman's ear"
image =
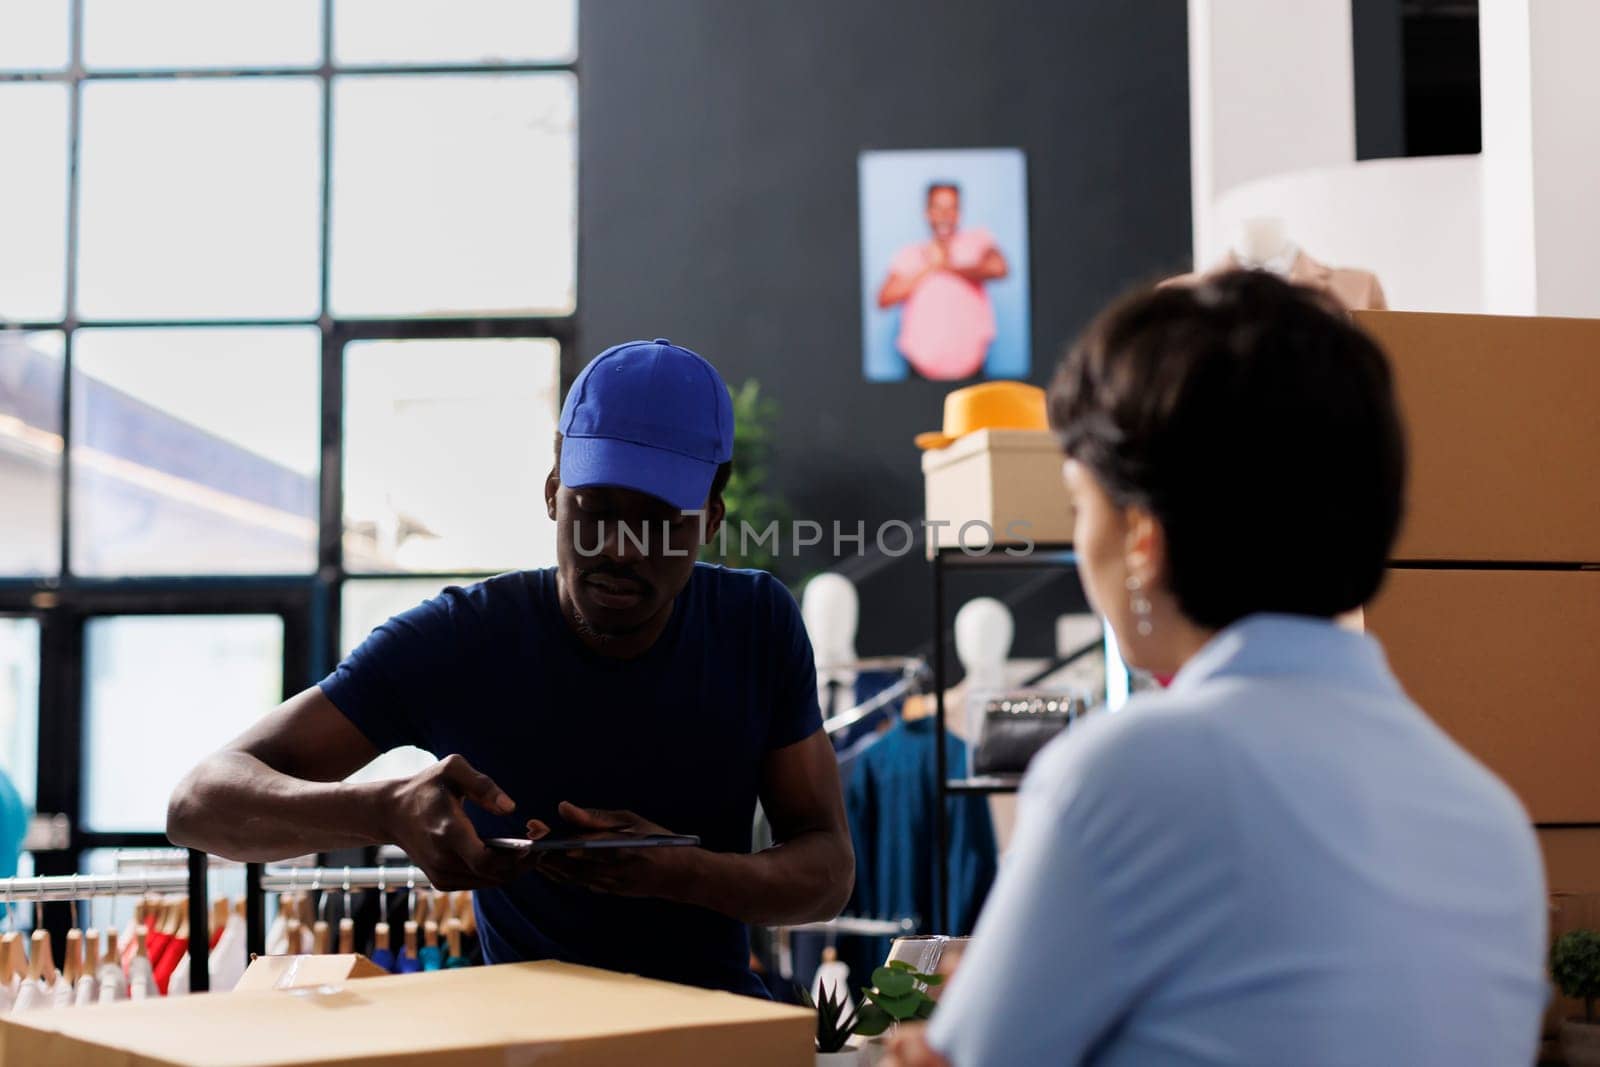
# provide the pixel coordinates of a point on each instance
(1144, 553)
(552, 483)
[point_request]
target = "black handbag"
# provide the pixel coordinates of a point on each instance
(1017, 726)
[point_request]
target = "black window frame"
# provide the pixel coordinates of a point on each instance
(308, 604)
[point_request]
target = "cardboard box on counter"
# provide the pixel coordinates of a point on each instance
(1009, 481)
(550, 1014)
(299, 972)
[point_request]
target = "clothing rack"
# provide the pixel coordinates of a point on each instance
(259, 880)
(849, 925)
(58, 888)
(913, 673)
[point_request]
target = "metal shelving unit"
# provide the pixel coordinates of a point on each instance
(1000, 558)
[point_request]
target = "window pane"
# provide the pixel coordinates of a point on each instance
(453, 194)
(19, 704)
(201, 33)
(143, 732)
(31, 371)
(201, 198)
(447, 444)
(33, 35)
(195, 451)
(33, 199)
(454, 31)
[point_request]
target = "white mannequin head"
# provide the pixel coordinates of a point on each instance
(1261, 239)
(831, 611)
(983, 640)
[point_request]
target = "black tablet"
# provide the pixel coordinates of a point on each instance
(585, 844)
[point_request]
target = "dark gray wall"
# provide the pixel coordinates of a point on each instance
(718, 198)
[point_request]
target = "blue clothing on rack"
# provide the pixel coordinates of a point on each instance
(13, 828)
(384, 958)
(889, 799)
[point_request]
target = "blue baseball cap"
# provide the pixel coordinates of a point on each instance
(651, 416)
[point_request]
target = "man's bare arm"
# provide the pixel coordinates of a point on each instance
(278, 791)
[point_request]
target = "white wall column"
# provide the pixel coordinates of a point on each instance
(1541, 156)
(1271, 90)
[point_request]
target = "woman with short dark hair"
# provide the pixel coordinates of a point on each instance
(1279, 858)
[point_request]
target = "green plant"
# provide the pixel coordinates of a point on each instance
(747, 497)
(1575, 966)
(898, 994)
(836, 1016)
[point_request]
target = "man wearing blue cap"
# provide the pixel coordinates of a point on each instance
(627, 690)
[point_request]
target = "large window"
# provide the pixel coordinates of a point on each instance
(286, 298)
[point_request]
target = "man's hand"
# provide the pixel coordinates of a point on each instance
(909, 1048)
(644, 872)
(425, 817)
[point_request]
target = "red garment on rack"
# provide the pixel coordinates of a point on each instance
(155, 945)
(171, 955)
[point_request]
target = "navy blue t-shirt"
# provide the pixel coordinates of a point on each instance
(678, 735)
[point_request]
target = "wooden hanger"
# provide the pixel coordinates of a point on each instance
(72, 967)
(112, 954)
(411, 937)
(380, 936)
(347, 936)
(13, 960)
(319, 937)
(220, 909)
(41, 963)
(452, 936)
(174, 915)
(430, 934)
(141, 949)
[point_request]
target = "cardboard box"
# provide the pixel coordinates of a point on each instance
(549, 1014)
(299, 972)
(1004, 486)
(1500, 413)
(1505, 661)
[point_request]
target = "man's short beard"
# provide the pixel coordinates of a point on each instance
(589, 630)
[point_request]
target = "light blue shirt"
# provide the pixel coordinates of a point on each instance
(1280, 859)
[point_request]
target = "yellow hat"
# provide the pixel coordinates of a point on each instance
(988, 406)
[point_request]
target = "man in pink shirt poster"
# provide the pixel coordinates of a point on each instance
(944, 264)
(947, 322)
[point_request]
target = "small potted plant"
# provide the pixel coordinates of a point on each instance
(1575, 966)
(836, 1021)
(899, 993)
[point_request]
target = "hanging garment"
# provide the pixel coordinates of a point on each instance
(32, 995)
(889, 801)
(407, 964)
(431, 957)
(229, 958)
(178, 981)
(155, 946)
(456, 962)
(141, 980)
(176, 950)
(113, 983)
(384, 958)
(61, 992)
(86, 992)
(278, 936)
